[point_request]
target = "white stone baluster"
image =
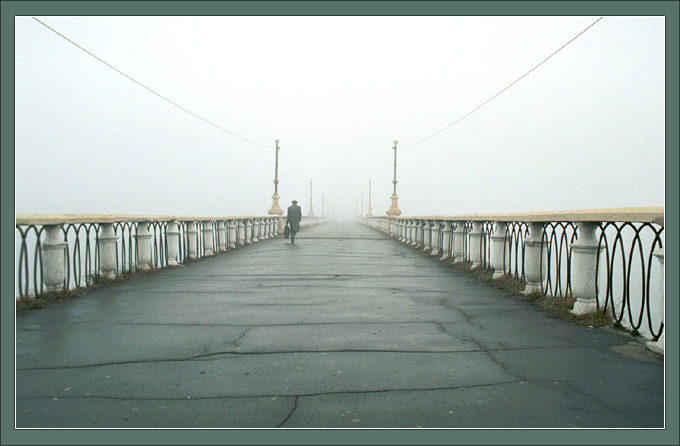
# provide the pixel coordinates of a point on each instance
(475, 248)
(249, 231)
(241, 232)
(427, 235)
(231, 227)
(532, 259)
(207, 238)
(256, 229)
(436, 229)
(53, 258)
(172, 238)
(221, 236)
(459, 242)
(659, 346)
(264, 233)
(583, 264)
(418, 242)
(498, 250)
(144, 238)
(446, 239)
(108, 243)
(192, 239)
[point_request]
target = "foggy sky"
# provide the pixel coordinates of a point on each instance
(584, 130)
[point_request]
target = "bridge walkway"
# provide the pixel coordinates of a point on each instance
(348, 328)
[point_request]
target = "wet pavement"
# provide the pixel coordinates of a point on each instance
(347, 328)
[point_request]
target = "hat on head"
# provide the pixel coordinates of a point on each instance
(294, 201)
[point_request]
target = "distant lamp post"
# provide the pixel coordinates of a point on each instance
(276, 209)
(370, 211)
(311, 207)
(361, 213)
(394, 208)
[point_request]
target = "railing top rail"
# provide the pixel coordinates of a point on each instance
(57, 219)
(634, 215)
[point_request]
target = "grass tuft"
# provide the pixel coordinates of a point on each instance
(557, 306)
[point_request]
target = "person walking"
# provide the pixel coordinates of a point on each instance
(293, 217)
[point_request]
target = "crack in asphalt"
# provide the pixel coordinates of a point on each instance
(498, 362)
(296, 396)
(213, 355)
(295, 404)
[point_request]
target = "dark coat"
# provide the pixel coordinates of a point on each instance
(293, 217)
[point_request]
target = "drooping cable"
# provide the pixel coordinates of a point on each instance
(149, 89)
(503, 90)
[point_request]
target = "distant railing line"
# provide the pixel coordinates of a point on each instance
(59, 252)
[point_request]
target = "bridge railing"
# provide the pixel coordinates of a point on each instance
(310, 221)
(63, 252)
(609, 260)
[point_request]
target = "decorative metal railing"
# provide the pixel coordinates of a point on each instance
(608, 260)
(64, 252)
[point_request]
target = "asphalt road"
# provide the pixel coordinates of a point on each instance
(347, 328)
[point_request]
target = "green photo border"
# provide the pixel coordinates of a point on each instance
(669, 9)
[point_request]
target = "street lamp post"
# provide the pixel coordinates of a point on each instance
(276, 209)
(394, 208)
(370, 211)
(311, 207)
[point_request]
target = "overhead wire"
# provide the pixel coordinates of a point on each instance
(504, 89)
(291, 168)
(149, 89)
(270, 146)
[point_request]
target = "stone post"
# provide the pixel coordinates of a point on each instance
(409, 232)
(207, 238)
(498, 250)
(264, 233)
(459, 242)
(108, 242)
(241, 232)
(256, 229)
(417, 243)
(231, 227)
(221, 236)
(249, 231)
(583, 264)
(192, 239)
(436, 229)
(659, 346)
(143, 237)
(275, 224)
(532, 259)
(475, 247)
(446, 239)
(427, 235)
(53, 258)
(281, 222)
(172, 238)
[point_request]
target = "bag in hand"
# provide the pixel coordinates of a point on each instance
(286, 232)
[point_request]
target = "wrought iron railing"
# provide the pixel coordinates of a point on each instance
(608, 260)
(64, 252)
